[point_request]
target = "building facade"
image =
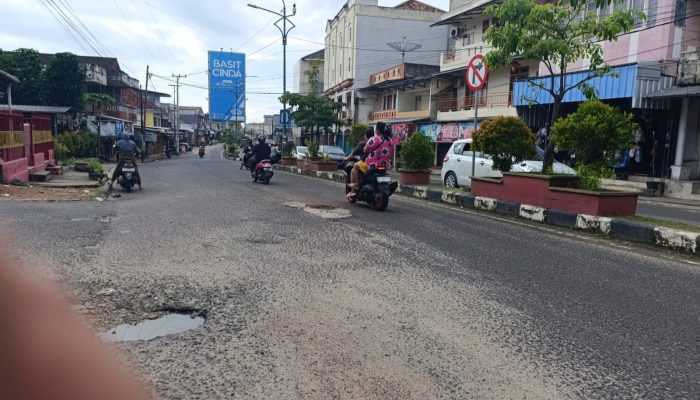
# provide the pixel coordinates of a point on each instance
(357, 45)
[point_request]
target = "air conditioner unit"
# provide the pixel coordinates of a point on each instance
(455, 32)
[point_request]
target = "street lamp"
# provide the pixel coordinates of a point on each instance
(284, 17)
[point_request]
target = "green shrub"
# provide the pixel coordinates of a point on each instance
(312, 149)
(94, 167)
(79, 144)
(326, 158)
(596, 131)
(61, 151)
(417, 153)
(232, 150)
(507, 139)
(591, 175)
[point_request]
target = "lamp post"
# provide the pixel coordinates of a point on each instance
(284, 17)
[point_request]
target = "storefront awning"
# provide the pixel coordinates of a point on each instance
(636, 82)
(404, 120)
(676, 91)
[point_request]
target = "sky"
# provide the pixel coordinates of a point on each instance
(173, 37)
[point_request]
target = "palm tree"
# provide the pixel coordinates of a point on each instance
(99, 100)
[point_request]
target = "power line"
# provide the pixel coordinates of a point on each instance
(63, 26)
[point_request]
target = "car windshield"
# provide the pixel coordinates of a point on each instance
(301, 149)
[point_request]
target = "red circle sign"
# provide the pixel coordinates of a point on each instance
(476, 73)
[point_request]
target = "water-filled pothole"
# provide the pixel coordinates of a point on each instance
(167, 324)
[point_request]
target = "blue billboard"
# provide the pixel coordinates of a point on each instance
(226, 86)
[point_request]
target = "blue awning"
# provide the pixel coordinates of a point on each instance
(607, 87)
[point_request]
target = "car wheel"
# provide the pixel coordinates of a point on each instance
(451, 180)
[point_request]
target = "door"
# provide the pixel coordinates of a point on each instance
(484, 166)
(459, 161)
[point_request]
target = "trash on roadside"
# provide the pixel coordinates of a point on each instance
(99, 199)
(116, 195)
(105, 292)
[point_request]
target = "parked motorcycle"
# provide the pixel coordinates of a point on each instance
(168, 153)
(201, 151)
(263, 172)
(375, 187)
(128, 177)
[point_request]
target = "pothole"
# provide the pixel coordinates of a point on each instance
(320, 210)
(321, 207)
(164, 325)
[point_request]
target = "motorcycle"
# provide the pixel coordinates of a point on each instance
(375, 187)
(263, 172)
(128, 176)
(247, 153)
(201, 151)
(168, 153)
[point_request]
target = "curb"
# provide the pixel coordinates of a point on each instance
(611, 227)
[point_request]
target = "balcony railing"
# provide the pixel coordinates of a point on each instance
(467, 102)
(382, 114)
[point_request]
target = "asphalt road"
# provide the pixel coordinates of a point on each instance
(421, 301)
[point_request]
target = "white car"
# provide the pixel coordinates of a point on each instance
(299, 152)
(457, 165)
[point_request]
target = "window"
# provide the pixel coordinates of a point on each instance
(639, 6)
(348, 64)
(459, 147)
(350, 35)
(681, 7)
(651, 13)
(389, 102)
(467, 39)
(484, 26)
(419, 103)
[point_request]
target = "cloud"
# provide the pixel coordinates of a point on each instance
(173, 36)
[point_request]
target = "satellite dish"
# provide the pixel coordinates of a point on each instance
(404, 47)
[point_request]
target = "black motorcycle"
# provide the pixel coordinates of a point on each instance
(129, 177)
(247, 153)
(375, 187)
(168, 153)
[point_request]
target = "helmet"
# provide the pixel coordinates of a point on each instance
(261, 139)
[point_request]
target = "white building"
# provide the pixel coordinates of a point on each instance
(301, 80)
(357, 46)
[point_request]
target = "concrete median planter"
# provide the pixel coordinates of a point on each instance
(408, 177)
(323, 166)
(289, 161)
(555, 192)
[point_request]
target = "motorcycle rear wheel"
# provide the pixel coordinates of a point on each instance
(381, 202)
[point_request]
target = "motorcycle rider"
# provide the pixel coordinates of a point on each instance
(261, 151)
(378, 151)
(126, 151)
(359, 150)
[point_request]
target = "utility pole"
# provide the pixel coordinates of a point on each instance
(284, 17)
(143, 118)
(172, 113)
(177, 111)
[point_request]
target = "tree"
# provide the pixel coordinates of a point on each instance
(507, 139)
(26, 66)
(596, 131)
(556, 35)
(64, 81)
(357, 134)
(312, 111)
(98, 101)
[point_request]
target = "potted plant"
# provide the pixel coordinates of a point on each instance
(416, 157)
(95, 171)
(323, 164)
(287, 158)
(595, 131)
(312, 155)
